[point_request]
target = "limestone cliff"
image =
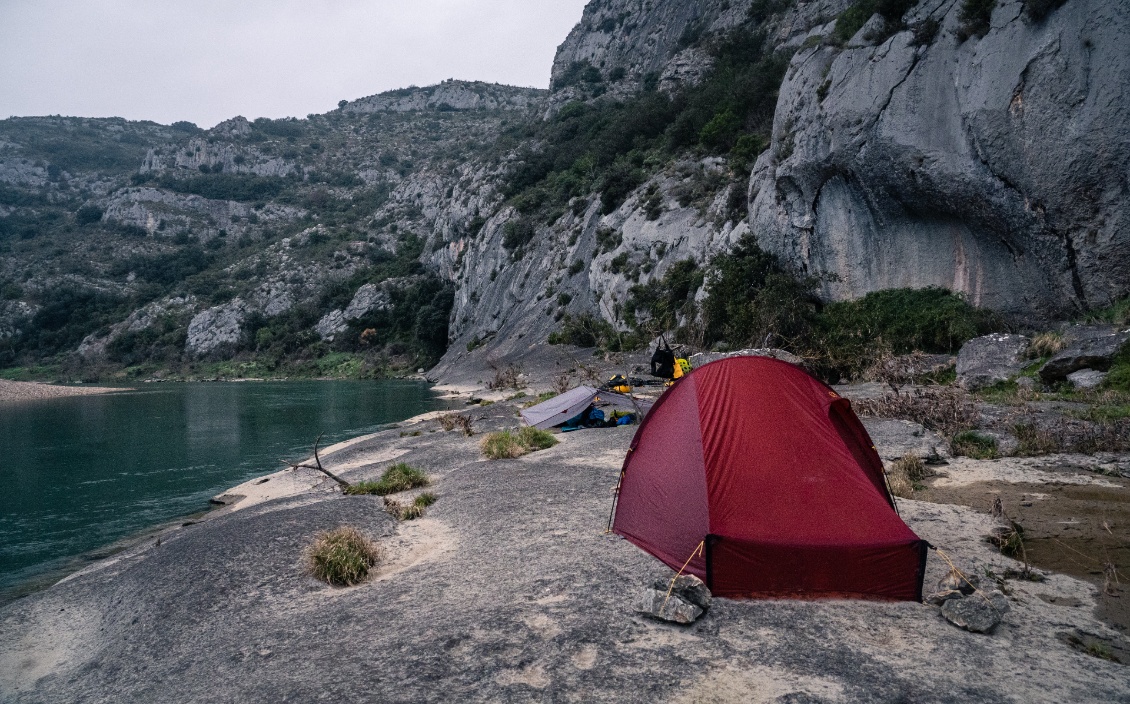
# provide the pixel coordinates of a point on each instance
(994, 165)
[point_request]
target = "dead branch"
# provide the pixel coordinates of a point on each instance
(295, 465)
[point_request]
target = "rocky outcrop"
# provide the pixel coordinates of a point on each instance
(984, 361)
(1088, 347)
(449, 96)
(368, 298)
(94, 345)
(216, 157)
(993, 166)
(164, 214)
(217, 329)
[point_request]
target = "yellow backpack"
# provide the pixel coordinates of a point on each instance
(682, 368)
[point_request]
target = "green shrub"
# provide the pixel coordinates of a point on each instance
(342, 556)
(88, 215)
(1037, 10)
(929, 319)
(1118, 378)
(656, 306)
(425, 499)
(586, 330)
(397, 478)
(533, 439)
(752, 298)
(976, 17)
(501, 445)
(508, 445)
(238, 187)
(973, 444)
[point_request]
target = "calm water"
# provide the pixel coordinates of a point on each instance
(77, 474)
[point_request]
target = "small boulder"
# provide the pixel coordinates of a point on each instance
(984, 361)
(953, 586)
(656, 603)
(1088, 347)
(979, 612)
(1086, 378)
(688, 599)
(690, 589)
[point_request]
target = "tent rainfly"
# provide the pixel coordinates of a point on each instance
(560, 409)
(764, 478)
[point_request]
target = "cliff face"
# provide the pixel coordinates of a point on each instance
(995, 166)
(904, 156)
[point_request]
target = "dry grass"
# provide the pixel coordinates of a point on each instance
(410, 511)
(945, 410)
(897, 371)
(457, 421)
(905, 475)
(508, 445)
(508, 377)
(342, 556)
(1046, 344)
(1070, 435)
(562, 383)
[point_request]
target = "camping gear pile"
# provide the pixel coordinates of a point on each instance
(761, 481)
(586, 407)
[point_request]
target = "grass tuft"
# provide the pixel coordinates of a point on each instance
(1046, 344)
(399, 477)
(975, 445)
(342, 556)
(534, 439)
(508, 445)
(905, 475)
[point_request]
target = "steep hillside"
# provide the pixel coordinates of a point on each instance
(862, 145)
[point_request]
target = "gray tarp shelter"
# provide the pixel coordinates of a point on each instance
(560, 409)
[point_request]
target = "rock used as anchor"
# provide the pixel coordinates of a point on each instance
(688, 599)
(979, 612)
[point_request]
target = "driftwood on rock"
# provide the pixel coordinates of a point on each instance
(318, 466)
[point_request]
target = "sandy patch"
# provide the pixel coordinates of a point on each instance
(962, 471)
(31, 390)
(753, 685)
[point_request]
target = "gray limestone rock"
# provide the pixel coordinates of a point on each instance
(217, 328)
(895, 438)
(450, 96)
(1089, 347)
(980, 612)
(657, 604)
(1086, 378)
(959, 163)
(687, 587)
(331, 325)
(369, 297)
(984, 361)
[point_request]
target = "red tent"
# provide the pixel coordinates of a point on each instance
(773, 474)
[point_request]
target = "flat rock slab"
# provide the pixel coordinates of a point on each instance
(508, 590)
(895, 438)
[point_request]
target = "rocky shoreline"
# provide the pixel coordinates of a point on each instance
(509, 590)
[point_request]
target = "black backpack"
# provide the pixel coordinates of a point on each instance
(663, 361)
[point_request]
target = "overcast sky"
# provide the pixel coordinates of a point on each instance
(208, 60)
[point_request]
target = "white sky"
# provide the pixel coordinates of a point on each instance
(208, 60)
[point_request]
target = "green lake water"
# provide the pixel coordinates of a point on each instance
(79, 474)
